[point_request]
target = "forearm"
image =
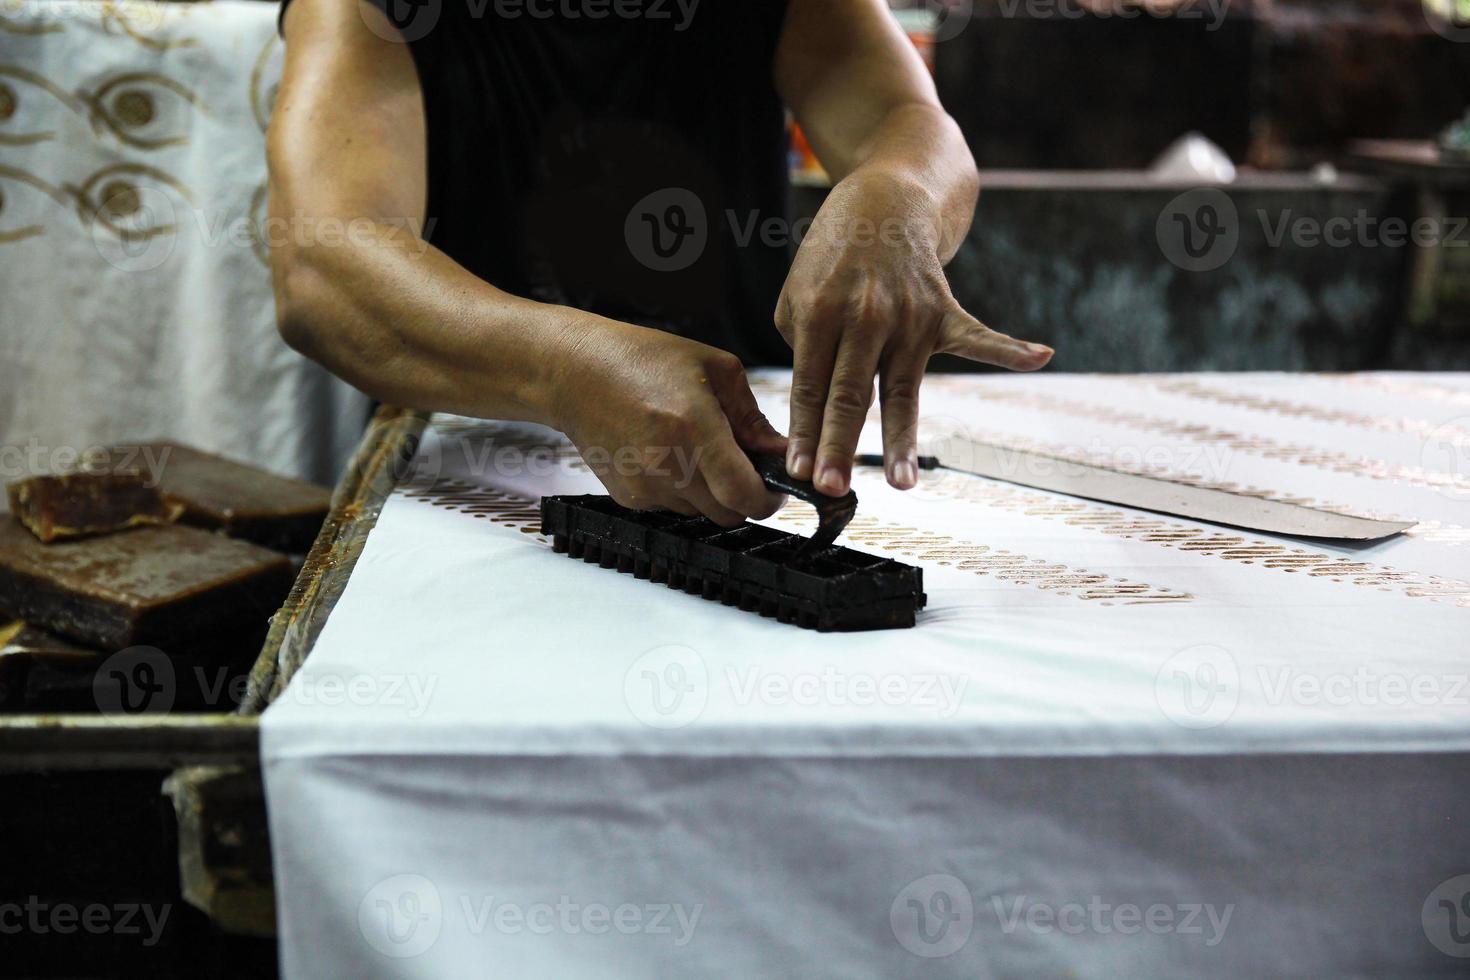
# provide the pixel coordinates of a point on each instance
(408, 325)
(868, 105)
(914, 162)
(358, 287)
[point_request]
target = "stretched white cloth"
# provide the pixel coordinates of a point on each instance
(135, 302)
(1116, 744)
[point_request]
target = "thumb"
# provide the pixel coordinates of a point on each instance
(753, 431)
(966, 336)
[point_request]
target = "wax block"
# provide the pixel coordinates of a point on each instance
(75, 505)
(147, 585)
(759, 569)
(29, 656)
(243, 501)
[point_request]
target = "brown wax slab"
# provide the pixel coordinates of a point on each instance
(41, 672)
(148, 585)
(76, 505)
(27, 652)
(19, 638)
(243, 501)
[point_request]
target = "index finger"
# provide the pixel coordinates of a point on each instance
(848, 401)
(732, 479)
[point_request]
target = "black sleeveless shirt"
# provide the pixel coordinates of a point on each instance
(625, 157)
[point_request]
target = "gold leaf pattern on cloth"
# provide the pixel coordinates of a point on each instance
(8, 173)
(258, 199)
(1429, 530)
(1206, 542)
(524, 514)
(263, 94)
(507, 509)
(10, 8)
(139, 21)
(17, 86)
(145, 110)
(115, 199)
(1254, 445)
(1287, 408)
(1453, 534)
(1005, 565)
(1414, 389)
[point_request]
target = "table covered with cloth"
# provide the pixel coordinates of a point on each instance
(1117, 743)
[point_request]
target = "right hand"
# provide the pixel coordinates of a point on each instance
(665, 422)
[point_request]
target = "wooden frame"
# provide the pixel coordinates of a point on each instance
(61, 741)
(218, 796)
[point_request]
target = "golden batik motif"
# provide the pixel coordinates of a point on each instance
(1441, 394)
(1254, 445)
(1208, 543)
(482, 503)
(1004, 565)
(1399, 425)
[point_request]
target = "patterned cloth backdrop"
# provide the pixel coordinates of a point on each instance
(135, 299)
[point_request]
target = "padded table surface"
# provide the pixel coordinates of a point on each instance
(1116, 742)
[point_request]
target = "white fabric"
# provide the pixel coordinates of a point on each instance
(1257, 744)
(159, 109)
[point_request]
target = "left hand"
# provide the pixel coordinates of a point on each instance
(866, 297)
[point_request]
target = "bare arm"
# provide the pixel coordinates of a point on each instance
(360, 290)
(866, 296)
(384, 309)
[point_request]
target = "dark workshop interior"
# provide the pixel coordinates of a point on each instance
(325, 325)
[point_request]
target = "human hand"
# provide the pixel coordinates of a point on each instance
(866, 297)
(665, 422)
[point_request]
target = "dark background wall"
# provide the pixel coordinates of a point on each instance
(1072, 104)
